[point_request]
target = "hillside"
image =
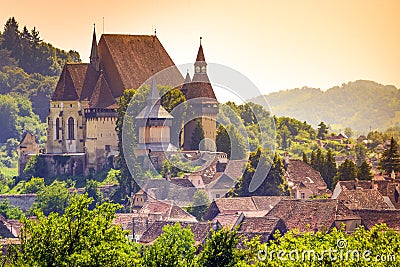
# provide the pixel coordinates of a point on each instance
(358, 105)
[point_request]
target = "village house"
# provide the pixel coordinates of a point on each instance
(304, 181)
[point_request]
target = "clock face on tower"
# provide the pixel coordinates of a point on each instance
(203, 69)
(197, 69)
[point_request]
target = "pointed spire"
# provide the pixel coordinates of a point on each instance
(200, 54)
(187, 78)
(94, 55)
(154, 96)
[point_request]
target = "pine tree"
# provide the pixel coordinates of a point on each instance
(330, 169)
(347, 171)
(322, 130)
(223, 141)
(238, 144)
(390, 160)
(197, 137)
(364, 171)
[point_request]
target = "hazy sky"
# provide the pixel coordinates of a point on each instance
(278, 44)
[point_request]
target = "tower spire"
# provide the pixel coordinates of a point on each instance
(154, 96)
(94, 55)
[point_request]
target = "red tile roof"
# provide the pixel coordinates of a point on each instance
(369, 199)
(102, 96)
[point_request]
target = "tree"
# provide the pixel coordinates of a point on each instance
(238, 144)
(197, 137)
(347, 171)
(220, 249)
(36, 167)
(322, 130)
(200, 205)
(92, 191)
(53, 198)
(174, 248)
(272, 185)
(361, 153)
(390, 160)
(33, 186)
(79, 237)
(348, 132)
(223, 141)
(10, 212)
(364, 171)
(330, 169)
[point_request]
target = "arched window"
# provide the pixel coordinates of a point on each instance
(71, 132)
(57, 129)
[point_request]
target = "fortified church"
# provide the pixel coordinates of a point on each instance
(81, 136)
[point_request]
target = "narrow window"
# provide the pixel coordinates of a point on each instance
(57, 129)
(71, 132)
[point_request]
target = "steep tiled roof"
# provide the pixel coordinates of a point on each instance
(200, 54)
(299, 172)
(311, 215)
(227, 220)
(264, 227)
(129, 60)
(102, 96)
(363, 199)
(199, 89)
(199, 229)
(182, 182)
(372, 217)
(223, 182)
(266, 203)
(70, 84)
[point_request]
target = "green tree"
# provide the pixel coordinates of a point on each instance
(322, 130)
(79, 237)
(36, 167)
(348, 132)
(200, 205)
(347, 171)
(10, 212)
(174, 248)
(220, 249)
(364, 171)
(238, 143)
(330, 169)
(361, 153)
(197, 137)
(273, 184)
(390, 160)
(34, 185)
(222, 140)
(53, 198)
(92, 191)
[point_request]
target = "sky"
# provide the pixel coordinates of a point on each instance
(277, 44)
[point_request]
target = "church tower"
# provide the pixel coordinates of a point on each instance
(203, 104)
(154, 124)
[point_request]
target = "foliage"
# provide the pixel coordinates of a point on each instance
(200, 205)
(176, 166)
(174, 248)
(347, 171)
(322, 130)
(10, 212)
(352, 104)
(36, 167)
(272, 170)
(93, 192)
(33, 186)
(53, 198)
(79, 237)
(113, 176)
(325, 164)
(220, 250)
(364, 171)
(222, 140)
(197, 137)
(390, 160)
(32, 54)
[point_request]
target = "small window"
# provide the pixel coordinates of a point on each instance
(71, 128)
(107, 148)
(303, 196)
(70, 105)
(217, 196)
(198, 182)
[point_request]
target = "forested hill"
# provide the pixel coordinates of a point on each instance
(358, 105)
(29, 67)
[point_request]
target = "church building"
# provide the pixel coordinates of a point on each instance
(81, 136)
